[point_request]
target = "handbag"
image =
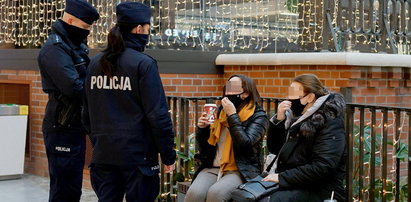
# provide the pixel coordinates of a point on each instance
(255, 189)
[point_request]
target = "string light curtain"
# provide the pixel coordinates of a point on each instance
(206, 25)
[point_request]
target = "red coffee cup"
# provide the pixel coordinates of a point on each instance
(210, 110)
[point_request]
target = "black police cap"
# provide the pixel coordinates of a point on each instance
(133, 13)
(82, 10)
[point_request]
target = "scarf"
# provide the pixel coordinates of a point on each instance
(227, 162)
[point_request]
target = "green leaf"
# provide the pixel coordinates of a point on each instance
(182, 156)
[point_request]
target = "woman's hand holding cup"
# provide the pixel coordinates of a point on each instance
(203, 121)
(208, 115)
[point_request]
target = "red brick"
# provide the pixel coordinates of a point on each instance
(312, 67)
(10, 72)
(271, 89)
(292, 67)
(177, 81)
(387, 91)
(207, 82)
(207, 88)
(264, 68)
(341, 83)
(270, 74)
(345, 75)
(343, 67)
(329, 83)
(322, 74)
(335, 75)
(376, 83)
(370, 92)
(166, 81)
(286, 82)
(381, 99)
(228, 68)
(187, 82)
(395, 83)
(168, 75)
(262, 82)
(391, 99)
(188, 94)
(360, 100)
(187, 88)
(356, 75)
(287, 74)
(284, 90)
(170, 88)
(197, 82)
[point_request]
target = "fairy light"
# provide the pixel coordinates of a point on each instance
(392, 127)
(232, 25)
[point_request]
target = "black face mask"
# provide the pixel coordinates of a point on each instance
(235, 99)
(76, 34)
(140, 40)
(297, 107)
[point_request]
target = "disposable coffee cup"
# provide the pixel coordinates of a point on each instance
(210, 111)
(331, 199)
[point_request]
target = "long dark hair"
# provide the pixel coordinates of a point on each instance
(115, 47)
(311, 84)
(249, 87)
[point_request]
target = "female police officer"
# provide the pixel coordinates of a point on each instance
(126, 113)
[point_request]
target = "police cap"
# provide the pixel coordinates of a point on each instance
(82, 10)
(133, 13)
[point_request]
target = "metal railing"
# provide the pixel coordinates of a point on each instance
(379, 147)
(378, 144)
(367, 25)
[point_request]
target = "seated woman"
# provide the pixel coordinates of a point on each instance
(308, 135)
(229, 149)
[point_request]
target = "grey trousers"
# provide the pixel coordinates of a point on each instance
(206, 187)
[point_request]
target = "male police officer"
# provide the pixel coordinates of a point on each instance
(127, 113)
(63, 61)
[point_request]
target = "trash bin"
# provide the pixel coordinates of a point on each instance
(13, 129)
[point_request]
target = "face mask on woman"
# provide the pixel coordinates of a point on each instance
(297, 107)
(235, 99)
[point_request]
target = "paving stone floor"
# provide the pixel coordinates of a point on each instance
(31, 188)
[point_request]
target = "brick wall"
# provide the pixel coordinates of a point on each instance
(370, 85)
(386, 86)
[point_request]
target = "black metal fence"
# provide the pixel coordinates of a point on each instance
(367, 25)
(378, 143)
(379, 147)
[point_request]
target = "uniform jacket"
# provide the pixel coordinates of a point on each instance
(247, 139)
(314, 156)
(63, 70)
(127, 114)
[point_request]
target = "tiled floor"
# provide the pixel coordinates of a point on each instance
(32, 189)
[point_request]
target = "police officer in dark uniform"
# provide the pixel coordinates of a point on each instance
(63, 61)
(127, 113)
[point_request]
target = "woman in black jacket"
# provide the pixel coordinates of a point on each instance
(308, 135)
(229, 149)
(126, 113)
